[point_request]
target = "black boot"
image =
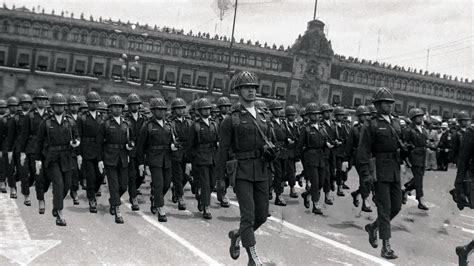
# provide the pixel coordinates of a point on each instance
(316, 209)
(293, 194)
(234, 249)
(355, 200)
(366, 207)
(371, 229)
(254, 260)
(207, 213)
(327, 200)
(153, 208)
(3, 187)
(340, 193)
(112, 210)
(387, 251)
(225, 202)
(42, 207)
(27, 201)
(300, 180)
(118, 215)
(75, 200)
(181, 204)
(92, 206)
(279, 201)
(463, 253)
(161, 215)
(404, 196)
(174, 198)
(13, 193)
(344, 186)
(305, 195)
(60, 221)
(134, 202)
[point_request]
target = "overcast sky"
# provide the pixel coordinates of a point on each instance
(407, 28)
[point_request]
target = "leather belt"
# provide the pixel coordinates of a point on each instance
(116, 146)
(159, 148)
(247, 155)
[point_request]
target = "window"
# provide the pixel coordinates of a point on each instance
(113, 41)
(186, 80)
(80, 67)
(45, 32)
(280, 92)
(167, 49)
(266, 90)
(251, 61)
(135, 74)
(434, 112)
(5, 26)
(94, 37)
(235, 58)
(152, 75)
(226, 57)
(122, 42)
(404, 85)
(102, 39)
(218, 84)
(158, 47)
(446, 114)
(267, 63)
(367, 102)
(344, 76)
(365, 78)
(61, 65)
(25, 29)
(131, 44)
(2, 58)
(275, 65)
(36, 30)
(391, 84)
(116, 71)
(83, 36)
(201, 82)
(398, 84)
(192, 52)
(75, 36)
(378, 81)
(64, 34)
(417, 87)
(351, 76)
(56, 33)
(149, 47)
(357, 102)
(358, 78)
(98, 69)
(24, 60)
(16, 27)
(42, 63)
(170, 78)
(185, 51)
(140, 45)
(398, 108)
(175, 49)
(336, 99)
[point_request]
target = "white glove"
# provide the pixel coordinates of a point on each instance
(345, 166)
(129, 148)
(79, 161)
(330, 146)
(188, 169)
(10, 157)
(1, 155)
(147, 171)
(22, 158)
(217, 143)
(404, 169)
(290, 141)
(446, 150)
(38, 165)
(101, 167)
(141, 169)
(76, 144)
(173, 147)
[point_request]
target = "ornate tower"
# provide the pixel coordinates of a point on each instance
(312, 55)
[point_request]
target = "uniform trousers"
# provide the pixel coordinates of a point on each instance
(10, 171)
(417, 181)
(280, 169)
(117, 179)
(178, 170)
(133, 176)
(161, 180)
(61, 183)
(388, 198)
(204, 172)
(315, 175)
(341, 176)
(93, 177)
(27, 173)
(290, 172)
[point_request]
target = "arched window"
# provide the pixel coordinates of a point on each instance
(344, 75)
(122, 41)
(391, 83)
(149, 46)
(94, 38)
(435, 90)
(6, 26)
(102, 39)
(45, 31)
(351, 76)
(226, 57)
(275, 64)
(451, 94)
(423, 88)
(210, 55)
(372, 80)
(16, 27)
(192, 51)
(429, 89)
(175, 49)
(219, 56)
(358, 77)
(132, 44)
(251, 61)
(417, 87)
(56, 33)
(167, 48)
(398, 84)
(158, 47)
(36, 30)
(64, 34)
(411, 86)
(235, 58)
(243, 59)
(365, 78)
(113, 40)
(25, 29)
(404, 85)
(267, 63)
(75, 35)
(184, 51)
(378, 81)
(446, 92)
(84, 36)
(140, 42)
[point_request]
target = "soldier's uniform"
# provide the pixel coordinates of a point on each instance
(224, 105)
(113, 140)
(328, 127)
(8, 120)
(203, 141)
(293, 130)
(446, 147)
(55, 150)
(380, 138)
(3, 137)
(154, 150)
(341, 132)
(88, 125)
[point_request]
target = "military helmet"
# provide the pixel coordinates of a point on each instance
(25, 98)
(383, 94)
(40, 94)
(178, 103)
(372, 108)
(133, 99)
(444, 125)
(3, 103)
(326, 107)
(463, 115)
(275, 105)
(115, 100)
(362, 110)
(260, 104)
(194, 104)
(339, 110)
(223, 101)
(303, 111)
(73, 100)
(245, 78)
(290, 110)
(92, 97)
(83, 105)
(158, 103)
(204, 103)
(13, 101)
(214, 108)
(312, 108)
(414, 112)
(102, 107)
(58, 99)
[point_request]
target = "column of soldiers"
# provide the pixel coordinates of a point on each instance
(71, 144)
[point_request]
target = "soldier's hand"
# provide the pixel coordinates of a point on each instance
(22, 158)
(10, 157)
(79, 161)
(290, 141)
(446, 150)
(38, 165)
(345, 166)
(129, 147)
(188, 169)
(141, 169)
(101, 167)
(147, 170)
(75, 143)
(403, 169)
(173, 147)
(330, 146)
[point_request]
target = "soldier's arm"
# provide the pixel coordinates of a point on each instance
(350, 145)
(100, 141)
(142, 143)
(465, 155)
(11, 134)
(226, 134)
(301, 143)
(42, 135)
(24, 133)
(364, 149)
(191, 144)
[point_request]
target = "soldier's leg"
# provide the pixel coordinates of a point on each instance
(244, 191)
(24, 177)
(395, 199)
(114, 187)
(139, 180)
(311, 172)
(132, 177)
(3, 177)
(260, 198)
(158, 182)
(205, 183)
(10, 172)
(177, 172)
(74, 177)
(384, 209)
(122, 175)
(278, 176)
(338, 167)
(40, 185)
(166, 180)
(418, 173)
(54, 172)
(67, 182)
(91, 178)
(290, 172)
(31, 168)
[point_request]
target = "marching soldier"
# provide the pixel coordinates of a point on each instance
(463, 124)
(154, 148)
(311, 147)
(29, 142)
(224, 105)
(73, 104)
(3, 137)
(13, 106)
(57, 136)
(15, 130)
(88, 125)
(328, 129)
(445, 146)
(282, 139)
(136, 121)
(115, 140)
(247, 132)
(362, 113)
(179, 159)
(83, 107)
(416, 137)
(293, 130)
(380, 138)
(214, 111)
(203, 143)
(341, 131)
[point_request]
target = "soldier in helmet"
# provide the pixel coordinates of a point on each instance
(179, 159)
(341, 131)
(293, 130)
(380, 138)
(28, 142)
(350, 158)
(224, 105)
(136, 121)
(312, 146)
(202, 146)
(463, 124)
(88, 125)
(304, 120)
(13, 106)
(16, 126)
(445, 146)
(115, 141)
(416, 138)
(3, 113)
(214, 112)
(246, 132)
(73, 104)
(83, 107)
(154, 148)
(328, 128)
(57, 137)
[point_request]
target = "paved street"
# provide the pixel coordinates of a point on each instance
(292, 236)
